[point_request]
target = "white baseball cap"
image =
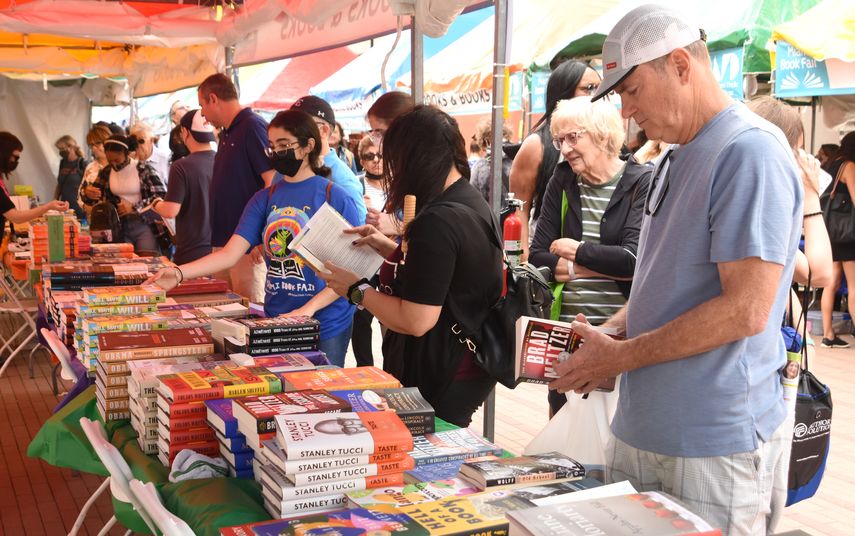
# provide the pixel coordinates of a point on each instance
(644, 34)
(199, 127)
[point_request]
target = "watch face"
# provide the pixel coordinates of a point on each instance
(356, 296)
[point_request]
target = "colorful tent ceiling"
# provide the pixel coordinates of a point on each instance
(361, 77)
(533, 36)
(299, 75)
(728, 23)
(827, 31)
(261, 30)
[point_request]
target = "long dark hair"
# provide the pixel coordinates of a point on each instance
(120, 144)
(9, 143)
(303, 127)
(561, 85)
(390, 105)
(419, 149)
(847, 147)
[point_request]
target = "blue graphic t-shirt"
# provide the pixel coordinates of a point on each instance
(273, 219)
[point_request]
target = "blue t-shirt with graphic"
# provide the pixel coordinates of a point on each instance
(273, 219)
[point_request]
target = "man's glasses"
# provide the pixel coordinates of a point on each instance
(369, 157)
(661, 176)
(571, 139)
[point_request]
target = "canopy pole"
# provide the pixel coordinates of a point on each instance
(499, 80)
(231, 71)
(417, 61)
(812, 123)
(132, 106)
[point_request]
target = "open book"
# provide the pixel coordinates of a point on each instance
(322, 240)
(149, 215)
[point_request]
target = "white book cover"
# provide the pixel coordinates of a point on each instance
(322, 239)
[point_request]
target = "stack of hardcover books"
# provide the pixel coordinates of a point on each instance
(77, 274)
(335, 379)
(407, 402)
(117, 349)
(142, 391)
(41, 247)
(183, 394)
(439, 456)
(521, 471)
(268, 336)
(232, 444)
(112, 251)
(318, 458)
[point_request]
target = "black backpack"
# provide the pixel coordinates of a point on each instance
(104, 223)
(493, 342)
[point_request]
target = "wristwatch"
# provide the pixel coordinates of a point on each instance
(356, 292)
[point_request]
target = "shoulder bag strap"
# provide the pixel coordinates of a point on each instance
(837, 179)
(558, 288)
(803, 318)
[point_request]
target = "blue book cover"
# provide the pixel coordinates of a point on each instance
(233, 444)
(435, 471)
(240, 461)
(220, 417)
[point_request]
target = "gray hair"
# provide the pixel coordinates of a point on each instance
(600, 119)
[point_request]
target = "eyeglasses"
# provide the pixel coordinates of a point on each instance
(589, 89)
(661, 171)
(369, 157)
(571, 139)
(282, 147)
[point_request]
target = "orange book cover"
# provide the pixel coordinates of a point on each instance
(340, 379)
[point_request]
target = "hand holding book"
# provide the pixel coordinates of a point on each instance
(591, 364)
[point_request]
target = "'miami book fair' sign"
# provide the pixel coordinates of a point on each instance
(799, 75)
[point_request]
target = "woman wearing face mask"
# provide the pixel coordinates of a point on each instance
(70, 175)
(272, 218)
(10, 153)
(131, 186)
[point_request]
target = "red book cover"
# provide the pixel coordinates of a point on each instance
(201, 285)
(219, 382)
(260, 411)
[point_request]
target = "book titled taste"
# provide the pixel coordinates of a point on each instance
(341, 434)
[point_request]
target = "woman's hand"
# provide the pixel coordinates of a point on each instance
(565, 248)
(92, 192)
(257, 255)
(166, 278)
(373, 216)
(124, 208)
(305, 310)
(370, 236)
(60, 206)
(338, 279)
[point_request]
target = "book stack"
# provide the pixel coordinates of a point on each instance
(232, 443)
(40, 243)
(112, 251)
(142, 392)
(521, 471)
(76, 274)
(267, 336)
(200, 285)
(256, 415)
(406, 402)
(182, 395)
(117, 349)
(320, 457)
(451, 446)
(333, 379)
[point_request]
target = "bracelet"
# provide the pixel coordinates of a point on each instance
(812, 214)
(180, 273)
(571, 270)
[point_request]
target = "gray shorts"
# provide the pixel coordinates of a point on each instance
(743, 493)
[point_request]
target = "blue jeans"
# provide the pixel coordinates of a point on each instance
(139, 233)
(336, 347)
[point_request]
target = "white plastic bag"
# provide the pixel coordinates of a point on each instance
(581, 428)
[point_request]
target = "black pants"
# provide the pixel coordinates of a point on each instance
(462, 399)
(360, 340)
(556, 401)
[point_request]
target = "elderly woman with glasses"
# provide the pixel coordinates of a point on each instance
(591, 215)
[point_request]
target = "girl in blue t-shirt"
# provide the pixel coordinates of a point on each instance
(272, 218)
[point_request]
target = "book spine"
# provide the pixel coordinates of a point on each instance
(313, 503)
(342, 486)
(184, 410)
(112, 393)
(288, 349)
(268, 331)
(187, 423)
(443, 458)
(158, 352)
(356, 471)
(272, 340)
(250, 389)
(197, 395)
(196, 435)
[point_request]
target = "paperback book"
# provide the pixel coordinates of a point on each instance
(541, 344)
(343, 434)
(220, 382)
(457, 444)
(407, 402)
(403, 495)
(339, 379)
(123, 295)
(641, 514)
(522, 470)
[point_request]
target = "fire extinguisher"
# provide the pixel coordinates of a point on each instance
(512, 233)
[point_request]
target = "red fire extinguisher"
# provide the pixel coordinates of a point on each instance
(512, 232)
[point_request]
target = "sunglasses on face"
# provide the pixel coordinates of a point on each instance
(369, 157)
(571, 139)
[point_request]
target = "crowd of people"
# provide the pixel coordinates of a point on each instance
(683, 237)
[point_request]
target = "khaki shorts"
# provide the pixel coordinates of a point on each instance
(743, 493)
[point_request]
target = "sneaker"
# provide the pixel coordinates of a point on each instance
(836, 342)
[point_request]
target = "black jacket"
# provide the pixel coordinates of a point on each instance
(619, 228)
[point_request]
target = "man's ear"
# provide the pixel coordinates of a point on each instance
(681, 60)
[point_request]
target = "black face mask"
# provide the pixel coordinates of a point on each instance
(286, 162)
(64, 154)
(11, 165)
(120, 167)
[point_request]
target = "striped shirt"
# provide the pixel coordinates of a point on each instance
(596, 298)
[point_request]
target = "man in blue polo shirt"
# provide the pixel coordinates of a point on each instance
(701, 413)
(340, 173)
(241, 168)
